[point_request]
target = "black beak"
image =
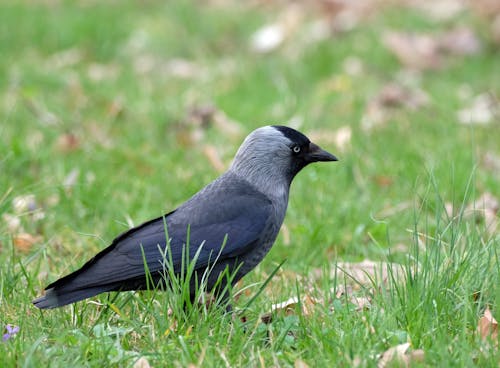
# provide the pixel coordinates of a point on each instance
(317, 154)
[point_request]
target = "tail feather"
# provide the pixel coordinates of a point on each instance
(54, 298)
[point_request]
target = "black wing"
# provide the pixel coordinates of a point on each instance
(232, 214)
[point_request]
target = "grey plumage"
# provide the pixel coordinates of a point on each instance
(242, 209)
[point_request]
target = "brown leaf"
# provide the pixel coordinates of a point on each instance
(491, 162)
(440, 10)
(486, 207)
(288, 307)
(213, 157)
(24, 203)
(392, 95)
(384, 181)
(99, 72)
(271, 36)
(286, 234)
(396, 95)
(341, 137)
(481, 110)
(67, 142)
(418, 51)
(12, 222)
(361, 302)
(487, 326)
(460, 41)
(395, 354)
(299, 363)
(141, 363)
(25, 241)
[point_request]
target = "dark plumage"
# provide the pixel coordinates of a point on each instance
(242, 209)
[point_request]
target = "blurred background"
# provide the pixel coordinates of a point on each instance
(115, 112)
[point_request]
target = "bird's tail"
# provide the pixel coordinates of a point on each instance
(57, 297)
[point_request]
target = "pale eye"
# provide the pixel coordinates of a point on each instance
(296, 149)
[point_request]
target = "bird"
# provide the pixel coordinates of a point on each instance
(227, 227)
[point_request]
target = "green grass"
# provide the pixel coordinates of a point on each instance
(100, 72)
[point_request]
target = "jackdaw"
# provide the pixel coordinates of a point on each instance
(229, 225)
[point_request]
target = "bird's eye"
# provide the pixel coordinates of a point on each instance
(296, 149)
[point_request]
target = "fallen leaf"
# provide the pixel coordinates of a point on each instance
(12, 222)
(384, 181)
(67, 142)
(460, 41)
(213, 157)
(268, 38)
(439, 10)
(286, 234)
(361, 302)
(481, 111)
(486, 207)
(25, 241)
(487, 326)
(299, 363)
(352, 66)
(394, 354)
(341, 137)
(491, 162)
(71, 179)
(100, 72)
(116, 107)
(182, 68)
(396, 95)
(288, 307)
(141, 363)
(64, 58)
(24, 203)
(392, 95)
(271, 36)
(419, 51)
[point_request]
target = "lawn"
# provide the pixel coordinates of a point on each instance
(112, 113)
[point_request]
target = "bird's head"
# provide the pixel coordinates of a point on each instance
(275, 154)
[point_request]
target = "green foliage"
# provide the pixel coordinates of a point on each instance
(97, 128)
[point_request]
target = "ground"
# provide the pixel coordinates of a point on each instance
(112, 113)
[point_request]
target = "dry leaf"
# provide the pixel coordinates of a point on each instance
(65, 58)
(25, 241)
(24, 203)
(419, 51)
(71, 178)
(340, 137)
(299, 363)
(440, 10)
(392, 95)
(487, 326)
(182, 68)
(271, 36)
(481, 111)
(460, 41)
(361, 302)
(395, 353)
(141, 363)
(396, 95)
(491, 162)
(100, 72)
(487, 207)
(286, 234)
(12, 222)
(67, 142)
(213, 157)
(288, 307)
